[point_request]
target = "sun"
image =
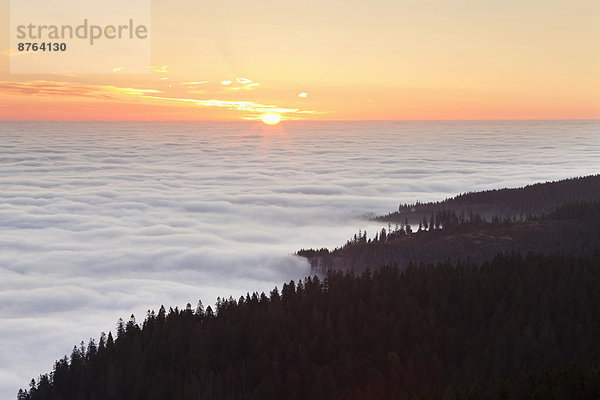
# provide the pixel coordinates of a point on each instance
(270, 119)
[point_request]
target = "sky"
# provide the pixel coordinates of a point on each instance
(333, 60)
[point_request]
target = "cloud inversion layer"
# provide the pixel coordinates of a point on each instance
(101, 220)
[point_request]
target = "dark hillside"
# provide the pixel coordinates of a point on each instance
(572, 228)
(388, 334)
(516, 203)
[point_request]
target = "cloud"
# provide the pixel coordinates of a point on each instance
(240, 84)
(243, 84)
(251, 110)
(102, 220)
(255, 109)
(69, 89)
(47, 88)
(162, 69)
(12, 52)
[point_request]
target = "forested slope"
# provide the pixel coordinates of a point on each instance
(386, 334)
(515, 203)
(572, 228)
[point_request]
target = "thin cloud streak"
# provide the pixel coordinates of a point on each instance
(126, 94)
(248, 106)
(68, 89)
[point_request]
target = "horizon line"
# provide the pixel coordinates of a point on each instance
(305, 120)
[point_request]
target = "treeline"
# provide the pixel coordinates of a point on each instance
(581, 382)
(581, 210)
(514, 203)
(570, 228)
(429, 330)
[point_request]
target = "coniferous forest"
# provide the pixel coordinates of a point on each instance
(459, 235)
(513, 203)
(521, 323)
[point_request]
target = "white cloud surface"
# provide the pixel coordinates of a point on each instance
(101, 220)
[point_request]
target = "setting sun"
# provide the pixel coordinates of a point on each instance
(271, 119)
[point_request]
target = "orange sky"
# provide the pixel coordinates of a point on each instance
(382, 59)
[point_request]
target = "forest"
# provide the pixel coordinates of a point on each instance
(513, 203)
(464, 306)
(428, 330)
(572, 228)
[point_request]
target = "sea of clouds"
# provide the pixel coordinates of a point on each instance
(102, 220)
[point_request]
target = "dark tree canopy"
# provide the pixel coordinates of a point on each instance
(572, 228)
(438, 331)
(536, 199)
